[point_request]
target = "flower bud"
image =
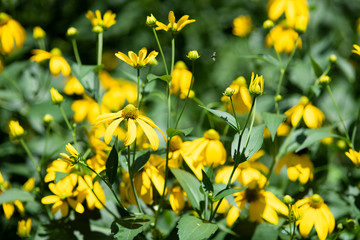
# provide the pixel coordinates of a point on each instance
(278, 98)
(193, 55)
(47, 119)
(256, 85)
(341, 144)
(56, 97)
(71, 32)
(98, 29)
(151, 20)
(268, 24)
(287, 199)
(333, 58)
(16, 131)
(325, 79)
(38, 33)
(24, 228)
(229, 92)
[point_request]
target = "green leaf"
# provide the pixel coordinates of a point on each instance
(128, 228)
(59, 176)
(80, 71)
(141, 161)
(150, 77)
(171, 132)
(226, 192)
(194, 228)
(112, 164)
(14, 194)
(254, 143)
(227, 117)
(315, 135)
(191, 185)
(272, 122)
(206, 183)
(166, 78)
(316, 67)
(347, 68)
(266, 231)
(316, 90)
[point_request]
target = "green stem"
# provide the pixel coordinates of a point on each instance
(42, 44)
(43, 158)
(73, 132)
(76, 51)
(172, 55)
(99, 59)
(161, 51)
(353, 136)
(138, 89)
(132, 180)
(27, 150)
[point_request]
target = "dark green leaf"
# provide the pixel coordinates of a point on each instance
(151, 77)
(141, 161)
(14, 194)
(316, 90)
(190, 228)
(191, 186)
(226, 192)
(227, 117)
(207, 185)
(317, 69)
(315, 135)
(129, 227)
(254, 143)
(272, 122)
(112, 164)
(209, 171)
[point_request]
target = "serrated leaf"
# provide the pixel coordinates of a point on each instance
(141, 161)
(206, 183)
(272, 122)
(191, 186)
(226, 192)
(129, 227)
(190, 228)
(14, 194)
(227, 117)
(315, 135)
(112, 164)
(316, 67)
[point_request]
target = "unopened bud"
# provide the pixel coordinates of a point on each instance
(56, 97)
(333, 58)
(47, 119)
(287, 199)
(193, 55)
(153, 62)
(98, 29)
(151, 21)
(38, 33)
(268, 24)
(341, 144)
(256, 85)
(72, 32)
(325, 79)
(229, 92)
(278, 98)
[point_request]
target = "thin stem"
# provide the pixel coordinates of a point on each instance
(132, 180)
(27, 150)
(234, 113)
(161, 51)
(99, 59)
(76, 52)
(138, 89)
(172, 55)
(73, 132)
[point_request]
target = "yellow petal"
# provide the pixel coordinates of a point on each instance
(232, 216)
(78, 207)
(8, 209)
(111, 129)
(142, 55)
(124, 58)
(214, 154)
(255, 210)
(150, 134)
(313, 117)
(328, 217)
(307, 222)
(157, 178)
(50, 199)
(131, 132)
(270, 215)
(320, 225)
(64, 208)
(134, 58)
(171, 18)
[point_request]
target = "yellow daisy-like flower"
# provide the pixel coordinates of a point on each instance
(107, 21)
(357, 49)
(59, 165)
(73, 86)
(131, 114)
(181, 80)
(354, 157)
(63, 197)
(299, 166)
(174, 27)
(283, 38)
(15, 131)
(241, 97)
(57, 62)
(117, 96)
(293, 9)
(137, 61)
(24, 228)
(177, 199)
(242, 26)
(314, 212)
(12, 34)
(313, 117)
(85, 108)
(86, 188)
(74, 155)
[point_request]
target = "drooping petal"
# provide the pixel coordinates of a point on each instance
(320, 225)
(150, 134)
(64, 209)
(307, 222)
(111, 129)
(131, 132)
(232, 216)
(8, 209)
(78, 207)
(50, 199)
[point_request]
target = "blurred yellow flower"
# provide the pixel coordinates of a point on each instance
(313, 117)
(283, 38)
(256, 85)
(24, 228)
(29, 184)
(354, 157)
(181, 80)
(314, 212)
(131, 114)
(107, 21)
(177, 199)
(137, 61)
(357, 49)
(15, 131)
(73, 86)
(241, 97)
(299, 166)
(85, 108)
(115, 99)
(293, 9)
(56, 97)
(38, 33)
(176, 152)
(174, 27)
(59, 165)
(63, 197)
(86, 187)
(242, 26)
(12, 34)
(57, 62)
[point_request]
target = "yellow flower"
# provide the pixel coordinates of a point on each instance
(38, 33)
(354, 157)
(16, 131)
(85, 108)
(151, 20)
(131, 114)
(177, 199)
(12, 34)
(176, 152)
(313, 117)
(56, 97)
(24, 228)
(314, 212)
(137, 61)
(73, 86)
(293, 9)
(63, 197)
(86, 188)
(283, 38)
(117, 96)
(57, 62)
(107, 21)
(193, 55)
(357, 49)
(29, 184)
(241, 97)
(181, 79)
(59, 165)
(299, 166)
(242, 26)
(264, 205)
(174, 27)
(74, 155)
(256, 85)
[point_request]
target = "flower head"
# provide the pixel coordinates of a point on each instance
(137, 61)
(174, 27)
(241, 97)
(56, 97)
(314, 212)
(24, 228)
(12, 34)
(16, 131)
(293, 9)
(74, 155)
(131, 114)
(151, 21)
(57, 62)
(354, 157)
(242, 26)
(107, 21)
(256, 85)
(85, 108)
(38, 33)
(181, 80)
(193, 55)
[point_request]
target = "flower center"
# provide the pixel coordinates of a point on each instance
(55, 52)
(175, 143)
(304, 100)
(211, 135)
(316, 201)
(130, 111)
(4, 18)
(251, 194)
